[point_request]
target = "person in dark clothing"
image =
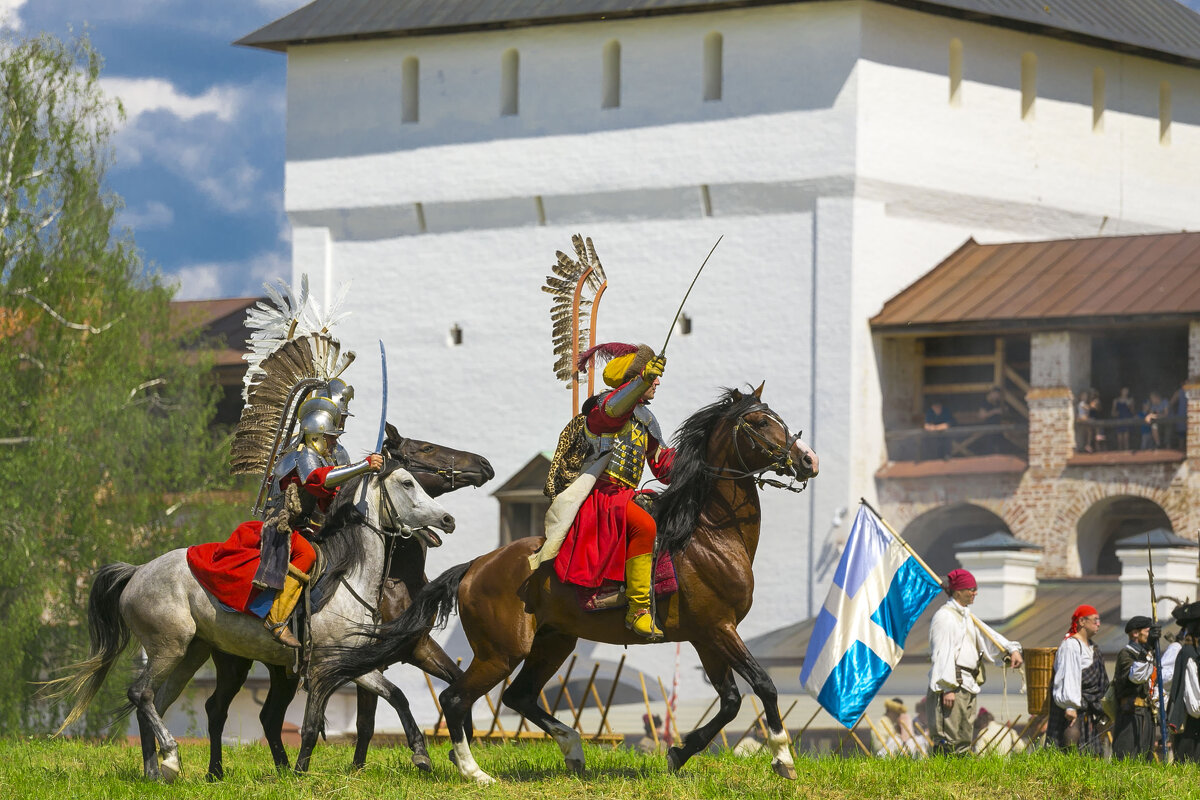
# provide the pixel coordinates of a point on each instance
(1077, 684)
(1133, 684)
(937, 418)
(994, 411)
(1183, 710)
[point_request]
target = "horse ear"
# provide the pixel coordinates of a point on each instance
(758, 391)
(392, 435)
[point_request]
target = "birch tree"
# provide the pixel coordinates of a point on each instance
(103, 413)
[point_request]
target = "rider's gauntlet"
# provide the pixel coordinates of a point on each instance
(624, 399)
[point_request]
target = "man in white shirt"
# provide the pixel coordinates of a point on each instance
(958, 641)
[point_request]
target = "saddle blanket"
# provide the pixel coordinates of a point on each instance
(611, 594)
(226, 569)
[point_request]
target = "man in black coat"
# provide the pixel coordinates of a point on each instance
(1133, 734)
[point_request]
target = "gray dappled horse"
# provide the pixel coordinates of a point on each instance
(179, 623)
(439, 469)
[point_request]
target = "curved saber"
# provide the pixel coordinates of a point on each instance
(384, 401)
(685, 296)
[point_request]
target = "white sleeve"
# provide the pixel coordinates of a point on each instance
(1168, 663)
(1191, 690)
(1068, 674)
(1141, 670)
(987, 637)
(943, 675)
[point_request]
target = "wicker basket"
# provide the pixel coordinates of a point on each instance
(1039, 665)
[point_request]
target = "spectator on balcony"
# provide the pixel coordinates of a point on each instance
(993, 412)
(1154, 409)
(1085, 432)
(1124, 408)
(1178, 408)
(937, 418)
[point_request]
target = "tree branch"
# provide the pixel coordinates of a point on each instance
(74, 325)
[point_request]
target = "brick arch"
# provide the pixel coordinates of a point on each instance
(934, 532)
(1087, 548)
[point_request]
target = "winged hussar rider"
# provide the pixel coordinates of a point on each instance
(262, 567)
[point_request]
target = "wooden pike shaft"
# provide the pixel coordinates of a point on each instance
(583, 700)
(563, 688)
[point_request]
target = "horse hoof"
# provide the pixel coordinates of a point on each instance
(675, 759)
(453, 758)
(575, 765)
(170, 771)
(483, 779)
(784, 770)
(422, 762)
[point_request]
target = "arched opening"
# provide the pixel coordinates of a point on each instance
(935, 533)
(510, 65)
(1028, 84)
(410, 100)
(713, 67)
(612, 75)
(956, 71)
(1109, 520)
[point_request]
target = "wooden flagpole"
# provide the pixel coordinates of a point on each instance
(986, 631)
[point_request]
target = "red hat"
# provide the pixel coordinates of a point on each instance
(1082, 611)
(960, 579)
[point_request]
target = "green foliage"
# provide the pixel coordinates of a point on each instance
(103, 419)
(69, 769)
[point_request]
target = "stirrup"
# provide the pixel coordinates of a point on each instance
(281, 633)
(649, 630)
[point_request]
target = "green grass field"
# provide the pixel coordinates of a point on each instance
(70, 769)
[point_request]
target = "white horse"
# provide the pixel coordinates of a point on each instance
(179, 623)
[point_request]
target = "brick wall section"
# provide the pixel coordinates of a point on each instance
(1044, 504)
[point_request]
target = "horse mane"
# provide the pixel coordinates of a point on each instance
(341, 553)
(677, 510)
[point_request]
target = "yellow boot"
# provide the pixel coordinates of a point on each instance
(637, 588)
(281, 609)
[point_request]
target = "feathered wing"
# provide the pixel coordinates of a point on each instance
(292, 353)
(567, 326)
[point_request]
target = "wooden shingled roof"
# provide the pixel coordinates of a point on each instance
(1065, 282)
(1165, 30)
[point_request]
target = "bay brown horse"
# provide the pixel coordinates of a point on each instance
(708, 518)
(439, 469)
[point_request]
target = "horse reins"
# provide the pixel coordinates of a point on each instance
(451, 474)
(781, 459)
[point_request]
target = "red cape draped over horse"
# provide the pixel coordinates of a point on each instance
(594, 548)
(226, 569)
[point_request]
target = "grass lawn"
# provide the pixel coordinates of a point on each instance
(71, 769)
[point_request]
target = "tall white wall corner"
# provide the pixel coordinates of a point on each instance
(312, 253)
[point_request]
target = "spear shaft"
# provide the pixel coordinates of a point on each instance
(1162, 703)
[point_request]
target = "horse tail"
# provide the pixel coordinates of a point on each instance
(109, 635)
(390, 642)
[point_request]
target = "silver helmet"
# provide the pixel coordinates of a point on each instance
(319, 417)
(341, 393)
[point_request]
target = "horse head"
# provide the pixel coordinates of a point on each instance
(406, 509)
(438, 468)
(760, 441)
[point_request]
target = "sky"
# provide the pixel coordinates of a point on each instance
(199, 160)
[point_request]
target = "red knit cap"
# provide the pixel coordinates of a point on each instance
(960, 579)
(1083, 611)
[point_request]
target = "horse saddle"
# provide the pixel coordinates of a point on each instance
(611, 594)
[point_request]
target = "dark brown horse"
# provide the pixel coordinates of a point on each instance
(439, 470)
(708, 518)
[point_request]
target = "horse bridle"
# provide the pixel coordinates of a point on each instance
(451, 474)
(780, 455)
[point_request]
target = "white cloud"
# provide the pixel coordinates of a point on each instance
(9, 18)
(145, 95)
(151, 215)
(229, 278)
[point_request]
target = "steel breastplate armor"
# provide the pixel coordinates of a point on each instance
(303, 463)
(628, 446)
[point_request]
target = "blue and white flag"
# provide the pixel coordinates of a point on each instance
(878, 592)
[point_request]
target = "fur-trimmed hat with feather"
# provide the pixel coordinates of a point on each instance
(625, 361)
